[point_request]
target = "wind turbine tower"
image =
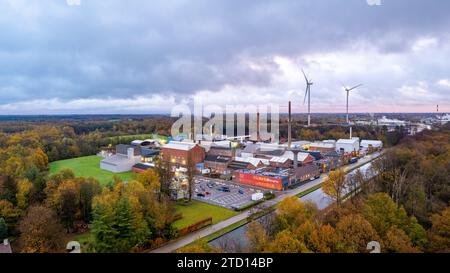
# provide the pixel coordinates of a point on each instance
(308, 95)
(348, 94)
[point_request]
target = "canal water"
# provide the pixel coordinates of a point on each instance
(236, 240)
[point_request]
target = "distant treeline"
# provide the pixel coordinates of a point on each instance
(62, 139)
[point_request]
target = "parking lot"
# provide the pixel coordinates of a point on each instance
(211, 191)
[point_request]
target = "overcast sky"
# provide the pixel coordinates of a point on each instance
(140, 56)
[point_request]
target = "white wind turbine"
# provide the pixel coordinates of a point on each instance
(308, 94)
(348, 93)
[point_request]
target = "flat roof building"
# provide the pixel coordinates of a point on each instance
(123, 160)
(347, 145)
(377, 144)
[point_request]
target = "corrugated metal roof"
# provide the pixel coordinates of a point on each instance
(300, 156)
(175, 145)
(371, 142)
(322, 145)
(347, 141)
(254, 161)
(279, 159)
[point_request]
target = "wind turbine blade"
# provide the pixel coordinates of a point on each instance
(359, 85)
(343, 85)
(306, 94)
(306, 79)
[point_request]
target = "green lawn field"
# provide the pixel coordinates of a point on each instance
(197, 211)
(88, 166)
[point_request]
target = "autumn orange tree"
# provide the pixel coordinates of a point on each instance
(335, 185)
(257, 237)
(354, 233)
(41, 232)
(439, 233)
(384, 215)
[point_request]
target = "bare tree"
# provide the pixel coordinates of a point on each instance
(190, 176)
(164, 171)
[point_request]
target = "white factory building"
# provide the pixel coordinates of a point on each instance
(347, 145)
(123, 161)
(376, 144)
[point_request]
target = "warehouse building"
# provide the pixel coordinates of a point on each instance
(218, 163)
(125, 157)
(218, 158)
(347, 145)
(249, 150)
(329, 162)
(263, 178)
(281, 162)
(306, 173)
(322, 147)
(302, 158)
(251, 163)
(148, 160)
(375, 144)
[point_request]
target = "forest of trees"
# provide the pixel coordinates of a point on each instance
(41, 212)
(69, 139)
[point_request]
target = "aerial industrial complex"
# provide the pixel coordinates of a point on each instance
(245, 164)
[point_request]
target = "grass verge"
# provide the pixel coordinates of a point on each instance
(196, 211)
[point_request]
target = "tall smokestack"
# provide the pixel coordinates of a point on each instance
(258, 136)
(295, 158)
(290, 127)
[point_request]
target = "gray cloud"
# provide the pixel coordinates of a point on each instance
(117, 49)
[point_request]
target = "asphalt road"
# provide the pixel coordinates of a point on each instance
(185, 240)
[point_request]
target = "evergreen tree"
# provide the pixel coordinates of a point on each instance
(124, 225)
(103, 230)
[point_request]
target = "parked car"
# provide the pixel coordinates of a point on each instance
(207, 193)
(200, 195)
(241, 191)
(224, 189)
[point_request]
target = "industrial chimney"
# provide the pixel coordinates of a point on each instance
(258, 136)
(295, 159)
(290, 127)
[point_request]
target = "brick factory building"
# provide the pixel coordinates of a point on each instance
(182, 153)
(307, 172)
(218, 163)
